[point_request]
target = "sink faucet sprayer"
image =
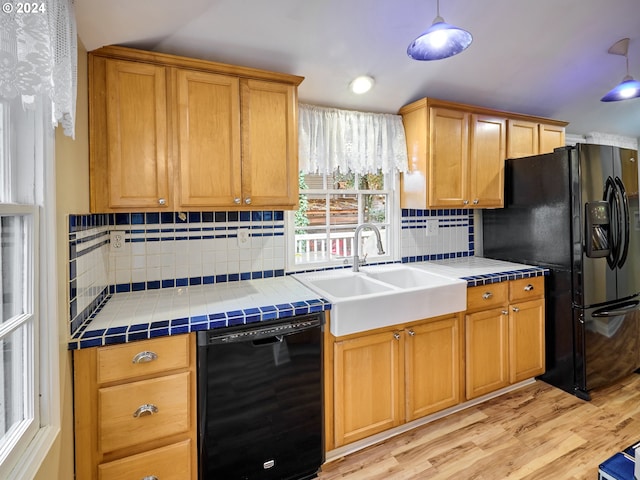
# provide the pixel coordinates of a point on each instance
(359, 228)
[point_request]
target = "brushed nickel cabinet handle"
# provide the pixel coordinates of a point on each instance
(487, 295)
(145, 357)
(396, 335)
(504, 312)
(236, 201)
(515, 309)
(476, 201)
(150, 477)
(465, 202)
(247, 200)
(528, 288)
(412, 333)
(146, 409)
(162, 201)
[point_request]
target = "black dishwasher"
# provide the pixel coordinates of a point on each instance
(260, 405)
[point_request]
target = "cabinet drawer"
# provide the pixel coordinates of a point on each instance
(119, 428)
(167, 463)
(487, 296)
(526, 289)
(131, 360)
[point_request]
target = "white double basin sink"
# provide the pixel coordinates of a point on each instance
(384, 295)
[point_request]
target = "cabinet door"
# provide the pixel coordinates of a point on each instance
(486, 351)
(449, 157)
(551, 137)
(432, 359)
(526, 340)
(368, 386)
(522, 138)
(488, 144)
(269, 144)
(208, 139)
(137, 152)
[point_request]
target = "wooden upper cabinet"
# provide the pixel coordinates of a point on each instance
(448, 168)
(550, 137)
(457, 152)
(527, 138)
(269, 144)
(488, 146)
(209, 151)
(135, 134)
(169, 132)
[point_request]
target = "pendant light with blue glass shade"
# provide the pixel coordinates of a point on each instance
(440, 40)
(628, 87)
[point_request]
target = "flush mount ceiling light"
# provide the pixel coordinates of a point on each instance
(440, 40)
(628, 87)
(361, 84)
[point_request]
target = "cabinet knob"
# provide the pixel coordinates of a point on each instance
(247, 200)
(162, 201)
(412, 333)
(487, 295)
(146, 409)
(476, 201)
(236, 201)
(145, 357)
(150, 477)
(504, 312)
(528, 288)
(515, 309)
(396, 335)
(465, 202)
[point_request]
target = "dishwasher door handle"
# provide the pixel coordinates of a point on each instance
(265, 342)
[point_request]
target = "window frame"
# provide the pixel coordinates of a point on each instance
(27, 183)
(392, 182)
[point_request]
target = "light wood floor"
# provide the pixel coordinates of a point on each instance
(537, 432)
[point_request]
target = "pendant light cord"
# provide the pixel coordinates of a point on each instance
(438, 8)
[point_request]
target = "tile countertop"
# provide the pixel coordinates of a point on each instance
(125, 317)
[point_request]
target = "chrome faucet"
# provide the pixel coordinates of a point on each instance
(359, 228)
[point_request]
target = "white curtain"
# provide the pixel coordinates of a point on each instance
(331, 139)
(38, 56)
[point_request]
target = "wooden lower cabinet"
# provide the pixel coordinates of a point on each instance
(432, 367)
(135, 410)
(387, 377)
(368, 375)
(173, 461)
(526, 340)
(486, 351)
(504, 336)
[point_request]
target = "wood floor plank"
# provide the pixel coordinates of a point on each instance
(536, 432)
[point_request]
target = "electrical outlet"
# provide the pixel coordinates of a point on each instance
(432, 228)
(116, 240)
(243, 237)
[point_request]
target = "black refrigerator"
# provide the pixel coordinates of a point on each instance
(575, 211)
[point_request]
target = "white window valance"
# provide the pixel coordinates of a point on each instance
(38, 56)
(331, 139)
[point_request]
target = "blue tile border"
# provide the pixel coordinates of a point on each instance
(478, 280)
(86, 338)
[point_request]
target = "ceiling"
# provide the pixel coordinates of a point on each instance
(541, 57)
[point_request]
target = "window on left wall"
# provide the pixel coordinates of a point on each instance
(26, 415)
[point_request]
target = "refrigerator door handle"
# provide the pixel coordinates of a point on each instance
(611, 197)
(615, 310)
(624, 221)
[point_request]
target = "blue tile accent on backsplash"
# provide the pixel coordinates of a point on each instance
(167, 250)
(453, 236)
